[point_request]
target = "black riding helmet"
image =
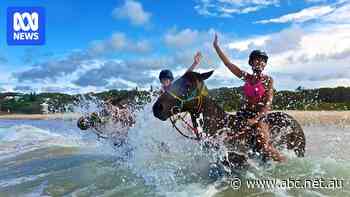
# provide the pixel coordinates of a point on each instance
(87, 122)
(166, 74)
(83, 123)
(257, 53)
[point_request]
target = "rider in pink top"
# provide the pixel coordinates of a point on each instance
(258, 93)
(254, 92)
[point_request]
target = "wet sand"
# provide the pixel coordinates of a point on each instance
(56, 116)
(321, 117)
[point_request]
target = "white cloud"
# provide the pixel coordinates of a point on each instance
(121, 74)
(60, 89)
(182, 38)
(301, 16)
(133, 11)
(321, 59)
(251, 9)
(288, 39)
(311, 55)
(340, 15)
(119, 42)
(244, 45)
(338, 12)
(227, 8)
(315, 1)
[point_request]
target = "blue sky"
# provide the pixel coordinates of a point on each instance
(100, 45)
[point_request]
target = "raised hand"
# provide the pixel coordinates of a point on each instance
(215, 43)
(197, 57)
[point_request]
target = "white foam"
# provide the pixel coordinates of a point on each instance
(21, 139)
(27, 133)
(178, 169)
(194, 190)
(20, 180)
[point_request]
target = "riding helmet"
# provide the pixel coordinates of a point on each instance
(166, 74)
(258, 53)
(83, 123)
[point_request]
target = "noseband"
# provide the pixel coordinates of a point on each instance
(182, 101)
(180, 105)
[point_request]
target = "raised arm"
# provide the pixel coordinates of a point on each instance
(233, 68)
(197, 59)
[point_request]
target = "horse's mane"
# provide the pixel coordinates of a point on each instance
(192, 76)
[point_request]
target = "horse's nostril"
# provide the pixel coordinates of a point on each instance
(175, 110)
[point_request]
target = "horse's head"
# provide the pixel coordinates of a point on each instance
(185, 94)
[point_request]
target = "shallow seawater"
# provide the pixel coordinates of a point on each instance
(54, 158)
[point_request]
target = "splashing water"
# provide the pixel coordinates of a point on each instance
(54, 158)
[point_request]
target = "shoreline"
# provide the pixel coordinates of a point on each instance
(321, 117)
(55, 116)
(303, 117)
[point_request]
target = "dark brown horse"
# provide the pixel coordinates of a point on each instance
(189, 94)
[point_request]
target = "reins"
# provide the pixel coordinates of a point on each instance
(202, 93)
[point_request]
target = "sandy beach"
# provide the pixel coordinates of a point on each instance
(321, 117)
(56, 116)
(303, 117)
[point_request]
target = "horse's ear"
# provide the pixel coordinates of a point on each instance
(204, 76)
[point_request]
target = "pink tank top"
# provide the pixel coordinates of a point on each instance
(254, 92)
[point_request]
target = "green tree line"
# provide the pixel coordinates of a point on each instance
(228, 98)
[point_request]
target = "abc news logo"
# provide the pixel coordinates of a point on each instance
(25, 26)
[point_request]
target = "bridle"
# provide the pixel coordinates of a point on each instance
(196, 95)
(203, 92)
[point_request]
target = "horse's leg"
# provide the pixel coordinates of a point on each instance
(240, 135)
(263, 140)
(286, 132)
(236, 161)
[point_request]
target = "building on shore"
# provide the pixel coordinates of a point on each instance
(44, 108)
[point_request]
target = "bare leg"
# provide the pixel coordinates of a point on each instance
(263, 139)
(242, 134)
